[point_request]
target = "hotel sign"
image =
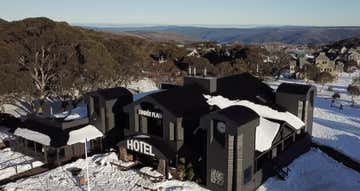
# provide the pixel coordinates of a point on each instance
(139, 146)
(151, 114)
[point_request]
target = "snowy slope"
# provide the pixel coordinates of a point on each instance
(339, 129)
(315, 171)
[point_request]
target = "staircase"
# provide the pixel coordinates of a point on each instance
(280, 169)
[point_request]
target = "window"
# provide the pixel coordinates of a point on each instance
(97, 106)
(180, 133)
(31, 145)
(274, 153)
(247, 175)
(171, 131)
(143, 124)
(39, 147)
(155, 126)
(62, 153)
(219, 132)
(301, 107)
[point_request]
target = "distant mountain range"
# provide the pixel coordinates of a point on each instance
(250, 35)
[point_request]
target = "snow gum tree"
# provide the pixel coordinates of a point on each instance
(44, 66)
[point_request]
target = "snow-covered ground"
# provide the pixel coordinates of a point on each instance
(339, 129)
(103, 176)
(12, 163)
(315, 171)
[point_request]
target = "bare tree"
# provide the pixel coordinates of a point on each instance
(42, 69)
(45, 67)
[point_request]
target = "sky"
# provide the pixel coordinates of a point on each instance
(188, 12)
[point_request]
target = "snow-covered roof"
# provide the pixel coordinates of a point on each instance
(17, 110)
(265, 134)
(261, 110)
(76, 113)
(88, 132)
(33, 136)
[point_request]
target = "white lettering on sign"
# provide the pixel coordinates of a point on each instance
(139, 146)
(149, 114)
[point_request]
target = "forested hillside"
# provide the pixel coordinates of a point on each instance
(39, 56)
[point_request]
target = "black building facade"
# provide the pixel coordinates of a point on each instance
(236, 131)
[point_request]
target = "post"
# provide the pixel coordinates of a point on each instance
(45, 155)
(87, 166)
(57, 157)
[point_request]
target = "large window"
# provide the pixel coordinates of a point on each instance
(155, 127)
(150, 119)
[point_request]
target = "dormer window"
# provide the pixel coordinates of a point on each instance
(219, 132)
(221, 127)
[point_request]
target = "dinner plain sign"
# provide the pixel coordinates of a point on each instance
(151, 114)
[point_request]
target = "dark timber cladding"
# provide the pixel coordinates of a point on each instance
(231, 148)
(227, 153)
(105, 108)
(299, 100)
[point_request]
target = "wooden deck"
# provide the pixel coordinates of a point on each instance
(31, 172)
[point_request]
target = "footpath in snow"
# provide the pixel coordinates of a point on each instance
(315, 171)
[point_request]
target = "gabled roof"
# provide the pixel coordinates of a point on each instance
(246, 87)
(112, 93)
(238, 115)
(56, 137)
(185, 100)
(290, 88)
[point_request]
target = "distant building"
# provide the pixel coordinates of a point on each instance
(298, 62)
(354, 56)
(193, 53)
(325, 64)
(343, 50)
